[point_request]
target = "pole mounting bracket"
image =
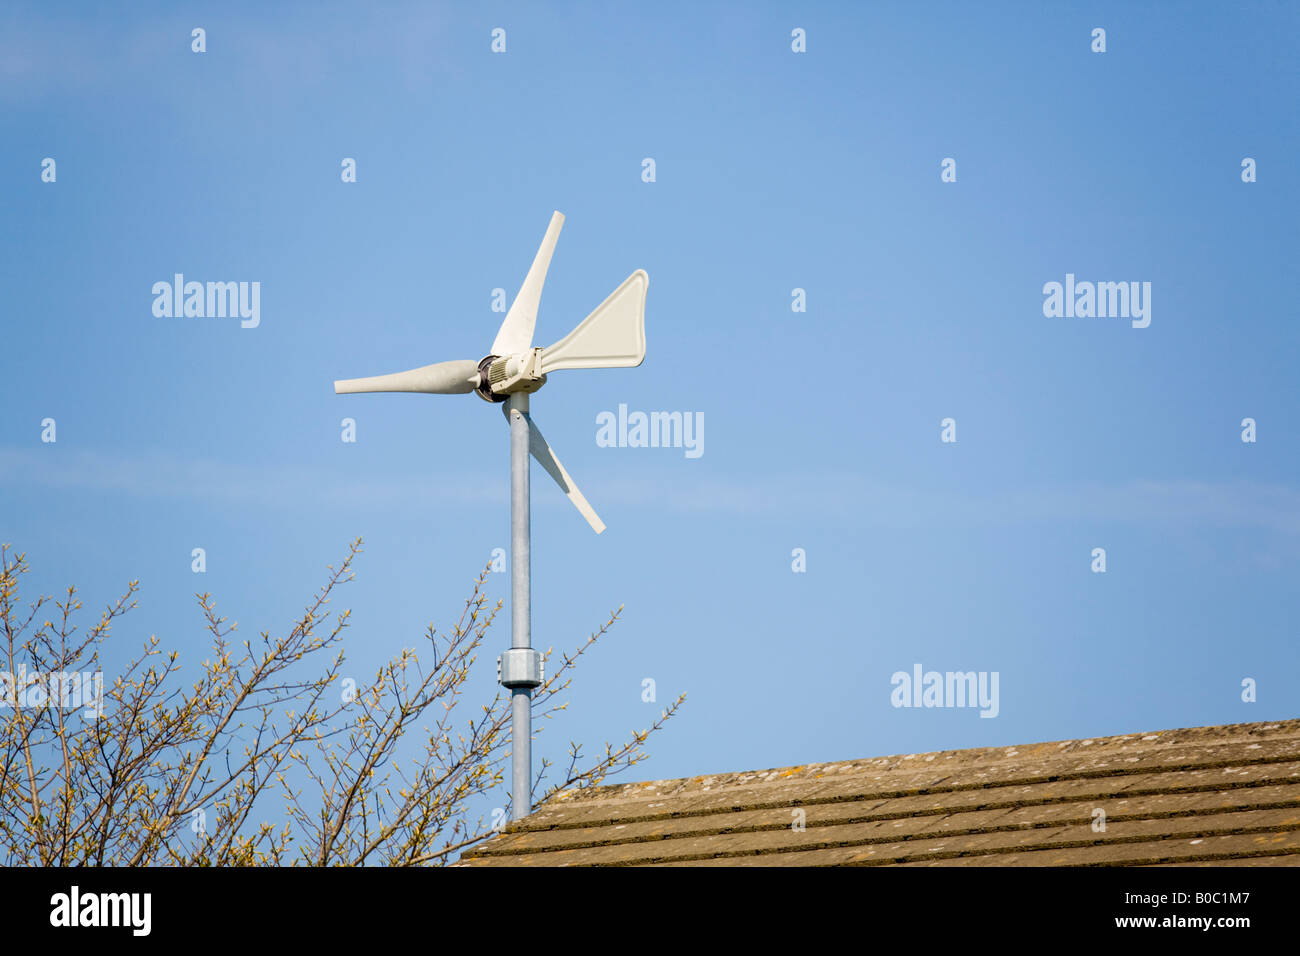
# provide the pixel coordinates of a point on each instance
(521, 667)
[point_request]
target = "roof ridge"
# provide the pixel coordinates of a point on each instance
(1150, 742)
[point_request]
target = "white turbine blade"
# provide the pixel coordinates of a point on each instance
(538, 448)
(546, 458)
(516, 332)
(613, 336)
(441, 378)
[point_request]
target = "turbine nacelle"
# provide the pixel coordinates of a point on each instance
(499, 377)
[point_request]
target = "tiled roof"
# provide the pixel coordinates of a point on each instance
(1207, 795)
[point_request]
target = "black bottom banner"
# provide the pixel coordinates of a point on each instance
(259, 906)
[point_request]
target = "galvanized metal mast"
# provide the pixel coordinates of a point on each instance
(521, 666)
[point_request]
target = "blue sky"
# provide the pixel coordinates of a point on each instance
(775, 170)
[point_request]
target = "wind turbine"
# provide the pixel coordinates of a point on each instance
(612, 336)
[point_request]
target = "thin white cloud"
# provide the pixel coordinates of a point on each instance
(857, 501)
(845, 498)
(274, 486)
(46, 52)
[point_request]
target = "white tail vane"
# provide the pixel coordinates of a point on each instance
(613, 336)
(516, 332)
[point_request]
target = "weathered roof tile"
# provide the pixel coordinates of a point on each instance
(1196, 795)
